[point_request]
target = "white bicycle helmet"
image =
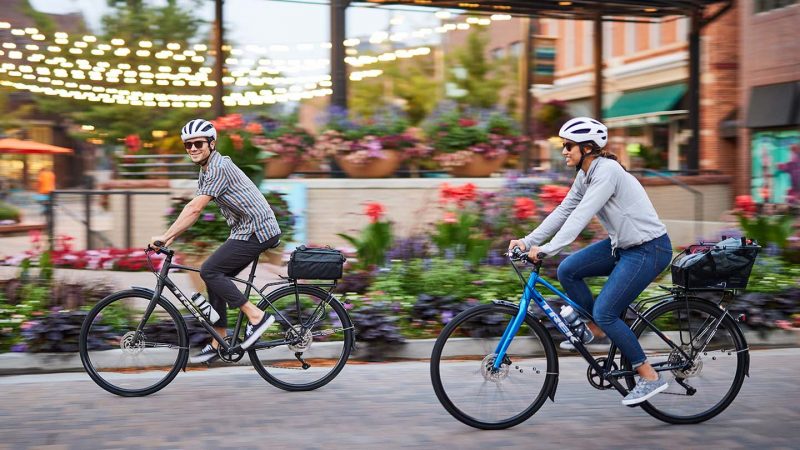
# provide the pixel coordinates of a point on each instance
(196, 128)
(585, 129)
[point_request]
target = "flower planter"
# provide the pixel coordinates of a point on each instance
(478, 166)
(312, 166)
(279, 167)
(374, 167)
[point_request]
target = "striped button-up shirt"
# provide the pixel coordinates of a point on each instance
(243, 205)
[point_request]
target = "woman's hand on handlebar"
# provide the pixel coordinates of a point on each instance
(516, 243)
(535, 254)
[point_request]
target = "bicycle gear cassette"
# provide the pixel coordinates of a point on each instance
(675, 357)
(300, 339)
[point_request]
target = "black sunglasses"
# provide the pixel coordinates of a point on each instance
(197, 144)
(568, 145)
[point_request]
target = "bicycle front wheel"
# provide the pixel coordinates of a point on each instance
(707, 379)
(309, 343)
(462, 368)
(125, 362)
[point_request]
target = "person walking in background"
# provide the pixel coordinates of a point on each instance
(45, 185)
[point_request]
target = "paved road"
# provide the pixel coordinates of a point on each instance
(375, 406)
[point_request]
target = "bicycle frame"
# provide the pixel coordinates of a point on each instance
(165, 282)
(530, 293)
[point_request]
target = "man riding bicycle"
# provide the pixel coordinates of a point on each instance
(254, 229)
(637, 249)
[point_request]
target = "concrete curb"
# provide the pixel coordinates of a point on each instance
(29, 363)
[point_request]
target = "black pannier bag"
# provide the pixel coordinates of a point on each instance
(316, 264)
(724, 265)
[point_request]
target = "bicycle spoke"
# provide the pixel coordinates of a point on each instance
(705, 382)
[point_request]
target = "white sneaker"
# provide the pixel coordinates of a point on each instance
(253, 332)
(603, 343)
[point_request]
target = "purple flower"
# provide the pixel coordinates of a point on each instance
(169, 211)
(19, 348)
(209, 217)
(447, 316)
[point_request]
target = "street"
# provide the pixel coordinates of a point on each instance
(383, 405)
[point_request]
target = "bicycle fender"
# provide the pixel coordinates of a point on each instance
(552, 394)
(167, 305)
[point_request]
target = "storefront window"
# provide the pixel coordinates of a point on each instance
(776, 167)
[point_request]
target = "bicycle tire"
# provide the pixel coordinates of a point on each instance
(731, 337)
(488, 314)
(127, 365)
(287, 373)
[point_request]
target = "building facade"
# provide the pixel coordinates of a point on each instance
(769, 138)
(749, 57)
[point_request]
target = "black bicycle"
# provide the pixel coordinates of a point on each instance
(134, 342)
(494, 365)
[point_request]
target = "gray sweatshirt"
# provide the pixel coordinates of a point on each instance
(619, 201)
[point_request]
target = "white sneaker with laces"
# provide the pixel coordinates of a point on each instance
(253, 332)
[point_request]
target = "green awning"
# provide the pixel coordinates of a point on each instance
(647, 101)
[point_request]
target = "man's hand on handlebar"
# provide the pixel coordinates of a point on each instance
(157, 242)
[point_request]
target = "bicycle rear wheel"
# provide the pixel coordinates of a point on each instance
(123, 363)
(717, 355)
(312, 325)
(462, 375)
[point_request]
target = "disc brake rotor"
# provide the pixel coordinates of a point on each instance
(131, 346)
(490, 373)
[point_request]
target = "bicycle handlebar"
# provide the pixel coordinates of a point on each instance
(159, 248)
(516, 254)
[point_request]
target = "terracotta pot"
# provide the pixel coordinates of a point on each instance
(279, 167)
(312, 166)
(478, 166)
(374, 168)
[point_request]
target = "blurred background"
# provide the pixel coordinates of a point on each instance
(426, 135)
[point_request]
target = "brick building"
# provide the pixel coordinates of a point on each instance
(749, 56)
(769, 99)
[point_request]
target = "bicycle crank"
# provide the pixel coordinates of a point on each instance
(230, 357)
(597, 380)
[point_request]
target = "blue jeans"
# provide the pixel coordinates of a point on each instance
(629, 272)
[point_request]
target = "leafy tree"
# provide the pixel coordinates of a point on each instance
(135, 21)
(482, 80)
(412, 81)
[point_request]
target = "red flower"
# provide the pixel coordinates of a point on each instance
(553, 195)
(237, 141)
(745, 205)
(133, 142)
(254, 127)
(458, 195)
(524, 208)
(374, 211)
(464, 122)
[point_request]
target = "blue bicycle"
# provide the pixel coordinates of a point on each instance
(494, 365)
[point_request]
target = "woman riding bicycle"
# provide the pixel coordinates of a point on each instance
(636, 251)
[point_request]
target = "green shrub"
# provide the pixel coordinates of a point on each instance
(9, 212)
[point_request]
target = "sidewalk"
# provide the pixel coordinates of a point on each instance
(415, 349)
